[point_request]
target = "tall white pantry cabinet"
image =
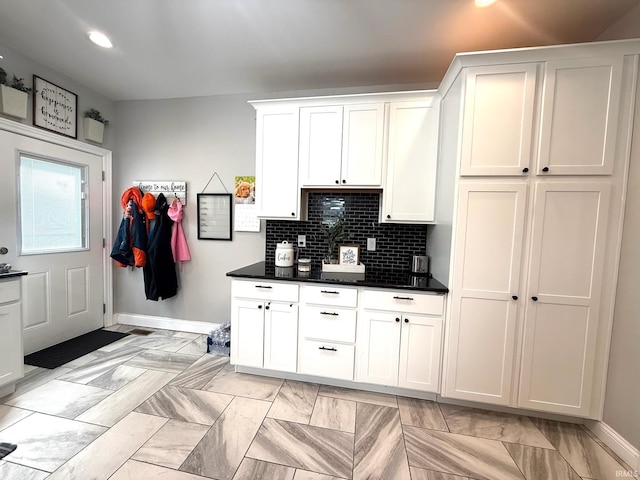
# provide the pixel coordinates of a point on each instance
(542, 152)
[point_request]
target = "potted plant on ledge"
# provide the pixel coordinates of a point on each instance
(14, 96)
(94, 124)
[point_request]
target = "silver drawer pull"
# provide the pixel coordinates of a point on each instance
(329, 313)
(403, 298)
(263, 286)
(331, 349)
(332, 292)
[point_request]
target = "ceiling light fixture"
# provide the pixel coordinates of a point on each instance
(484, 3)
(100, 39)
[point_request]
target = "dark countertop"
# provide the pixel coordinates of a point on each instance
(13, 273)
(371, 278)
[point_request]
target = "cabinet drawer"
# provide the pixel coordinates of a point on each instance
(284, 292)
(404, 301)
(324, 359)
(328, 323)
(9, 291)
(330, 295)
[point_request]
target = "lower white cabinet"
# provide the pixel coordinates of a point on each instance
(11, 358)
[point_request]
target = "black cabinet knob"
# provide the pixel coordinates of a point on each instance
(525, 170)
(535, 299)
(406, 320)
(388, 216)
(545, 169)
(397, 319)
(267, 307)
(293, 214)
(515, 297)
(337, 182)
(260, 306)
(344, 181)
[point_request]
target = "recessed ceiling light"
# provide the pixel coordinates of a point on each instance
(484, 3)
(100, 39)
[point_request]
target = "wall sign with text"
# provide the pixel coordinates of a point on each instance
(54, 108)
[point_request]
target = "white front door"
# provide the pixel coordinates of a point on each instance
(52, 226)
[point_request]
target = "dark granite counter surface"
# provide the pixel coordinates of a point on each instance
(371, 278)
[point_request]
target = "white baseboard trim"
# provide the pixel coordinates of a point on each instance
(612, 439)
(164, 323)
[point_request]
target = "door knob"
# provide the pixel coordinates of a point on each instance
(4, 250)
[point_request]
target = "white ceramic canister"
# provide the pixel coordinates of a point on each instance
(284, 254)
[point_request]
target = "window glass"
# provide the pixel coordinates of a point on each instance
(52, 206)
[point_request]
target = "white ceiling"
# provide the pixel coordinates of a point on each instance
(171, 48)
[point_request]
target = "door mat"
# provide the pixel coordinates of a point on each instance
(6, 449)
(65, 352)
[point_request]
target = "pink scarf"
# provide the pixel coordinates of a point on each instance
(179, 245)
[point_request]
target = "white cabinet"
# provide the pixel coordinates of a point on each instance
(277, 191)
(399, 346)
(11, 357)
(412, 159)
(281, 336)
(341, 145)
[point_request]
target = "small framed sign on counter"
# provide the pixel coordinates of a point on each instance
(54, 108)
(214, 216)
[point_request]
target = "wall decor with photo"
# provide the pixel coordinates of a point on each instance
(244, 198)
(55, 108)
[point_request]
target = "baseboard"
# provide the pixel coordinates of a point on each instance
(612, 439)
(164, 323)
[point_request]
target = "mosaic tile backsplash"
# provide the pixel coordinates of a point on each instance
(395, 243)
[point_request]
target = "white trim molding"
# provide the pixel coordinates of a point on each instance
(612, 439)
(165, 323)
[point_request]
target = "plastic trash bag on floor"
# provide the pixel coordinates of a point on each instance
(219, 340)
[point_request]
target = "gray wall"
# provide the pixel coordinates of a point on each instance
(622, 400)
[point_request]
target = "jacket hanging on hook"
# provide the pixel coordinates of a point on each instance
(130, 246)
(179, 245)
(160, 278)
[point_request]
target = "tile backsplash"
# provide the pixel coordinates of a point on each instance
(395, 243)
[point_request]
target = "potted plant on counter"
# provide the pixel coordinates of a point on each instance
(94, 124)
(14, 96)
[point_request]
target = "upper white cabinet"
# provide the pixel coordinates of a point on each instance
(412, 161)
(341, 145)
(499, 105)
(579, 119)
(277, 192)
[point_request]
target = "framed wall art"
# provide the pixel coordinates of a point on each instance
(54, 108)
(214, 216)
(349, 254)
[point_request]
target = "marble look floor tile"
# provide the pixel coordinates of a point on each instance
(305, 447)
(63, 399)
(306, 475)
(294, 402)
(585, 456)
(80, 362)
(188, 405)
(251, 469)
(104, 362)
(379, 445)
(161, 360)
(335, 413)
(540, 463)
(473, 457)
(161, 342)
(100, 459)
(222, 449)
(120, 327)
(421, 413)
(197, 346)
(422, 474)
(46, 442)
(172, 444)
(244, 385)
(118, 344)
(133, 470)
(10, 415)
(117, 378)
(26, 369)
(493, 425)
(611, 453)
(115, 407)
(10, 471)
(359, 396)
(188, 335)
(201, 372)
(34, 379)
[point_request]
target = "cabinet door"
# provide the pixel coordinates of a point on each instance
(362, 140)
(420, 352)
(410, 189)
(378, 347)
(281, 336)
(489, 232)
(277, 192)
(320, 146)
(498, 119)
(247, 332)
(580, 112)
(10, 343)
(565, 284)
